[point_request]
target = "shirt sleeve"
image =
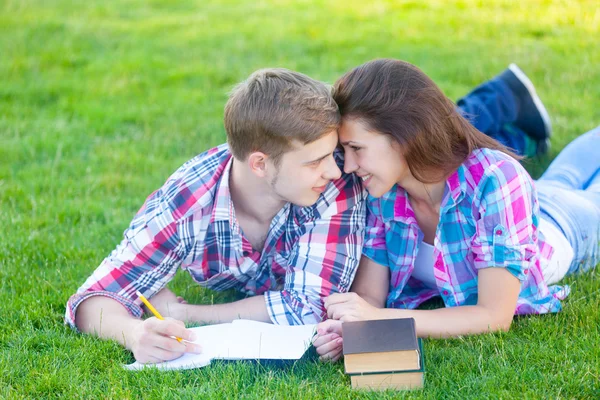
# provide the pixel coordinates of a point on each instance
(375, 236)
(146, 259)
(323, 261)
(506, 220)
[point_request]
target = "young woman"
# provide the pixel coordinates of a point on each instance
(452, 213)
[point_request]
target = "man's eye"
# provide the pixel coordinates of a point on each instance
(355, 148)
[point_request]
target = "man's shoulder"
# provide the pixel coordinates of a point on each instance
(208, 162)
(194, 184)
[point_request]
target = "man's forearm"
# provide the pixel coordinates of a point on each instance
(253, 308)
(106, 318)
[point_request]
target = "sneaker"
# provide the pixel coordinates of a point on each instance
(532, 116)
(542, 147)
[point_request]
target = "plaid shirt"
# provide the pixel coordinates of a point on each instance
(189, 223)
(488, 218)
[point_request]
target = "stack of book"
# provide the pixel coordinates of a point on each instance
(383, 354)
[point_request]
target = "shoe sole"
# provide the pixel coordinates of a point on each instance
(514, 68)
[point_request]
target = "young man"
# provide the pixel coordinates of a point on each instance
(269, 213)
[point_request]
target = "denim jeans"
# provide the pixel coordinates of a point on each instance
(569, 196)
(490, 107)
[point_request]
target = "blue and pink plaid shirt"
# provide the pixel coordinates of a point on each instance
(488, 218)
(189, 224)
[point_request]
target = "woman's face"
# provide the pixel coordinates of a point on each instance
(373, 157)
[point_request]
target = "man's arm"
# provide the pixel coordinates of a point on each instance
(146, 260)
(254, 308)
(150, 340)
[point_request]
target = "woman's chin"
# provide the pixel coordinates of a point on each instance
(375, 192)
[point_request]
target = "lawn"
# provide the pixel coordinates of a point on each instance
(101, 101)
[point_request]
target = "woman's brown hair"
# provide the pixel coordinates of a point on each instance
(396, 98)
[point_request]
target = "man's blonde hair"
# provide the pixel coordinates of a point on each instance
(275, 106)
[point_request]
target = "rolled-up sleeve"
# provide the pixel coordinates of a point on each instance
(506, 220)
(145, 260)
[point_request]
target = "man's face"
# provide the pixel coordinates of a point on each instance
(305, 171)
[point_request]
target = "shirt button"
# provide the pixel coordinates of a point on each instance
(445, 292)
(498, 232)
(526, 271)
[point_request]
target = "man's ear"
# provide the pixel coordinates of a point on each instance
(257, 162)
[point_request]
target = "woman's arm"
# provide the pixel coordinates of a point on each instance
(372, 282)
(498, 294)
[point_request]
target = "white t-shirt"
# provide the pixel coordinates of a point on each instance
(423, 268)
(558, 266)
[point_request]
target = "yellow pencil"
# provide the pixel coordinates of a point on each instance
(153, 310)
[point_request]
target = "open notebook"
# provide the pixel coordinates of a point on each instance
(242, 340)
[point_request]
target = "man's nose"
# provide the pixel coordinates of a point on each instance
(332, 172)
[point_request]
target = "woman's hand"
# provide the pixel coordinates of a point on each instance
(328, 342)
(349, 307)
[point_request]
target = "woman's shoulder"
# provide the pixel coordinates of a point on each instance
(487, 170)
(487, 163)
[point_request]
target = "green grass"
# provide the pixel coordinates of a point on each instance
(101, 101)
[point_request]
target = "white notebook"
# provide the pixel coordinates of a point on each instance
(241, 340)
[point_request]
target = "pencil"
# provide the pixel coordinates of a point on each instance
(153, 310)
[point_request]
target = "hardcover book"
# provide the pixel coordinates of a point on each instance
(380, 346)
(399, 380)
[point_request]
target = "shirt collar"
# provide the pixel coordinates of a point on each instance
(223, 206)
(456, 186)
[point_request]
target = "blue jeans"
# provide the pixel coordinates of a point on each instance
(569, 195)
(490, 107)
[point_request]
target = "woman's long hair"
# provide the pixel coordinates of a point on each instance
(396, 98)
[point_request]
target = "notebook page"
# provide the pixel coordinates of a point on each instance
(279, 342)
(215, 341)
(241, 340)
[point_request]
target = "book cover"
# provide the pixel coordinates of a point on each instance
(380, 345)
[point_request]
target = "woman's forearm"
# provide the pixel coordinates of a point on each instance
(450, 322)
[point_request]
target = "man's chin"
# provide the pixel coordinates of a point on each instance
(306, 201)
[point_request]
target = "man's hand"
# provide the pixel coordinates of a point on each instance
(328, 342)
(170, 305)
(349, 307)
(154, 340)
